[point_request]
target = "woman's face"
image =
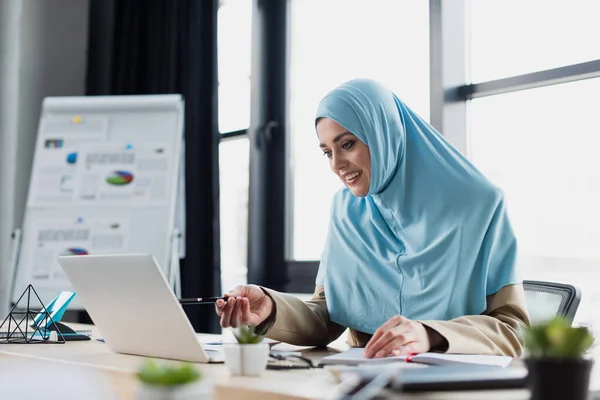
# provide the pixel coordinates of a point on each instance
(349, 158)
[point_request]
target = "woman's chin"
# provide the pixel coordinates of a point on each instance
(358, 191)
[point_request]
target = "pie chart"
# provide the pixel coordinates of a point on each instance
(119, 178)
(74, 251)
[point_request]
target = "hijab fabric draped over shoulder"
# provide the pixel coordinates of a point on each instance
(430, 240)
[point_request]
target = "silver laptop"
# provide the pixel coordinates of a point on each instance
(134, 308)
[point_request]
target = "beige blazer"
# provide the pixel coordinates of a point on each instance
(496, 331)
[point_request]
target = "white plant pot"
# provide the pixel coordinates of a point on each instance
(246, 359)
(189, 391)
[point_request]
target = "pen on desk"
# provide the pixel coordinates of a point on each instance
(201, 300)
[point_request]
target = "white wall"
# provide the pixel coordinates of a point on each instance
(43, 45)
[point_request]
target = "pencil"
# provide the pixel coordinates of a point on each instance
(200, 300)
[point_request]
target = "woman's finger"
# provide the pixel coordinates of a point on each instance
(219, 304)
(237, 291)
(236, 313)
(390, 323)
(410, 348)
(226, 317)
(400, 341)
(397, 336)
(245, 311)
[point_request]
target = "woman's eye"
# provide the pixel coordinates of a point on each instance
(347, 145)
(327, 154)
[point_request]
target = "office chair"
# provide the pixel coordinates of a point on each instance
(545, 300)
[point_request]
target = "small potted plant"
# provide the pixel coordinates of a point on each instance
(556, 360)
(170, 381)
(249, 356)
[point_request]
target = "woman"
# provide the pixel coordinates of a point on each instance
(420, 255)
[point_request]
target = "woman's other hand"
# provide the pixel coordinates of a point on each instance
(244, 305)
(398, 336)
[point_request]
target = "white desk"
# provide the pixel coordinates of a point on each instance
(119, 370)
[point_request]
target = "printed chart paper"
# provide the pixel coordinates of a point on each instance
(52, 176)
(120, 174)
(71, 236)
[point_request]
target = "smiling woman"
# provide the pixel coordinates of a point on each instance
(349, 157)
(420, 254)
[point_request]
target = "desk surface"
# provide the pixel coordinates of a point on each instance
(119, 370)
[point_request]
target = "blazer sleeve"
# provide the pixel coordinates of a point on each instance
(497, 331)
(302, 323)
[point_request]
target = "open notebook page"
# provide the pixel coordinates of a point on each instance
(356, 356)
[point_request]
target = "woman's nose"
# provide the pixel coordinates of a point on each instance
(338, 161)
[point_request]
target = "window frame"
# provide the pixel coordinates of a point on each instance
(242, 133)
(268, 132)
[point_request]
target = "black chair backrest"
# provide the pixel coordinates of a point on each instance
(545, 300)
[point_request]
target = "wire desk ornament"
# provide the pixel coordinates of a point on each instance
(30, 325)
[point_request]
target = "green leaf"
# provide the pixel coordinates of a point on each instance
(167, 374)
(536, 341)
(247, 335)
(557, 339)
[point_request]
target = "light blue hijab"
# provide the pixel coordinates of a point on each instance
(429, 241)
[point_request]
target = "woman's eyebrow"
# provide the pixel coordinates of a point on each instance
(337, 138)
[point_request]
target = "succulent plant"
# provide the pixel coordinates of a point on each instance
(247, 335)
(167, 374)
(557, 339)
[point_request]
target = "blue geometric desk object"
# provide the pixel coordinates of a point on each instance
(24, 327)
(57, 308)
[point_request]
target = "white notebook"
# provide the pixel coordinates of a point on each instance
(356, 356)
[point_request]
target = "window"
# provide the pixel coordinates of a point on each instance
(512, 37)
(539, 146)
(234, 179)
(333, 41)
(234, 48)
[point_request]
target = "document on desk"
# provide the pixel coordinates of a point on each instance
(356, 356)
